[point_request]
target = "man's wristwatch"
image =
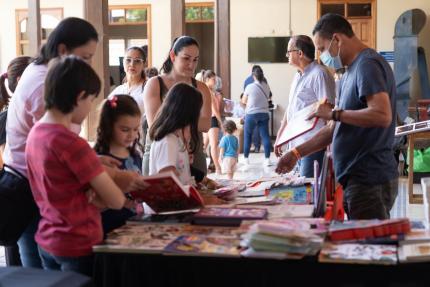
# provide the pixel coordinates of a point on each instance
(335, 114)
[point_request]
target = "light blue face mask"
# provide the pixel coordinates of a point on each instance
(329, 60)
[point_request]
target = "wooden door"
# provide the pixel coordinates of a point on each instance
(363, 30)
(360, 13)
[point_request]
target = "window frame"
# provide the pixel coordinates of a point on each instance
(22, 14)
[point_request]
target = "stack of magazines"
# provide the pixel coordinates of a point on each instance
(284, 238)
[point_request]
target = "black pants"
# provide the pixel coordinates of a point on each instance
(362, 201)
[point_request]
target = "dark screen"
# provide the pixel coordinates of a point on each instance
(268, 49)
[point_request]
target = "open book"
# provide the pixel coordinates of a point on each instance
(166, 193)
(298, 125)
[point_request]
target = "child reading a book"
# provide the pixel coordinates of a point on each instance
(118, 137)
(62, 168)
(174, 126)
(228, 149)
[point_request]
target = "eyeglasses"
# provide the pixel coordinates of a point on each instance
(290, 51)
(135, 61)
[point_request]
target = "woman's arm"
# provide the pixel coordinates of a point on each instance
(151, 99)
(206, 111)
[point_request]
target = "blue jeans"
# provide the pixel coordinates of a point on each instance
(306, 164)
(81, 264)
(261, 121)
(256, 140)
(28, 250)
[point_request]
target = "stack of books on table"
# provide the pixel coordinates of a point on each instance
(284, 238)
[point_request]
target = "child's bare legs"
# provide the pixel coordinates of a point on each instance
(213, 141)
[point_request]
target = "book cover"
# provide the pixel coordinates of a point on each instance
(298, 125)
(359, 253)
(166, 193)
(294, 194)
(364, 229)
(419, 252)
(140, 238)
(227, 216)
(416, 236)
(153, 238)
(204, 245)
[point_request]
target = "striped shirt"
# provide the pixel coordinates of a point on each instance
(60, 166)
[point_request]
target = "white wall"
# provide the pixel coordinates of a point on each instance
(255, 18)
(7, 22)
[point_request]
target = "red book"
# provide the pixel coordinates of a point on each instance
(166, 193)
(298, 125)
(223, 216)
(365, 229)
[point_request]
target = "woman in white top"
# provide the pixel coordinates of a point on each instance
(135, 77)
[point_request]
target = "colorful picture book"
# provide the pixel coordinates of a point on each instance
(363, 229)
(358, 253)
(222, 216)
(294, 194)
(166, 193)
(153, 238)
(199, 245)
(298, 125)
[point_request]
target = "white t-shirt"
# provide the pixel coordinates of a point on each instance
(136, 92)
(170, 151)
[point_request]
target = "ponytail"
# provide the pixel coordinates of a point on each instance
(14, 71)
(259, 75)
(177, 45)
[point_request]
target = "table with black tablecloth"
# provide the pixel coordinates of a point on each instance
(120, 269)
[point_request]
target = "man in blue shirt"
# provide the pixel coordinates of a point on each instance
(362, 123)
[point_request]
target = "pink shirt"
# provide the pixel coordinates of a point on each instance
(25, 108)
(60, 167)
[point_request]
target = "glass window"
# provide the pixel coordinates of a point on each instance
(192, 13)
(333, 8)
(117, 16)
(360, 10)
(136, 15)
(208, 13)
(116, 50)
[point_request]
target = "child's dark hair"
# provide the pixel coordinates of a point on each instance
(230, 126)
(142, 56)
(14, 71)
(177, 45)
(180, 109)
(67, 78)
(72, 32)
(119, 105)
(151, 72)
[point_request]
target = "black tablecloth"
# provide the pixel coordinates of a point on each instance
(30, 277)
(160, 270)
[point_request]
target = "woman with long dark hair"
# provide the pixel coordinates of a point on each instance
(256, 98)
(179, 67)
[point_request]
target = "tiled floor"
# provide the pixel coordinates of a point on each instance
(257, 170)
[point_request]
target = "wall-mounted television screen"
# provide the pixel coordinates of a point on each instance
(267, 49)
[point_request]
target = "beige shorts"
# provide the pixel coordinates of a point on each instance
(229, 164)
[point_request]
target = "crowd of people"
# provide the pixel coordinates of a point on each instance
(59, 195)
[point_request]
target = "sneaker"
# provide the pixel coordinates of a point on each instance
(267, 162)
(246, 161)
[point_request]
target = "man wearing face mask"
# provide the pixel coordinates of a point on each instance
(362, 122)
(312, 83)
